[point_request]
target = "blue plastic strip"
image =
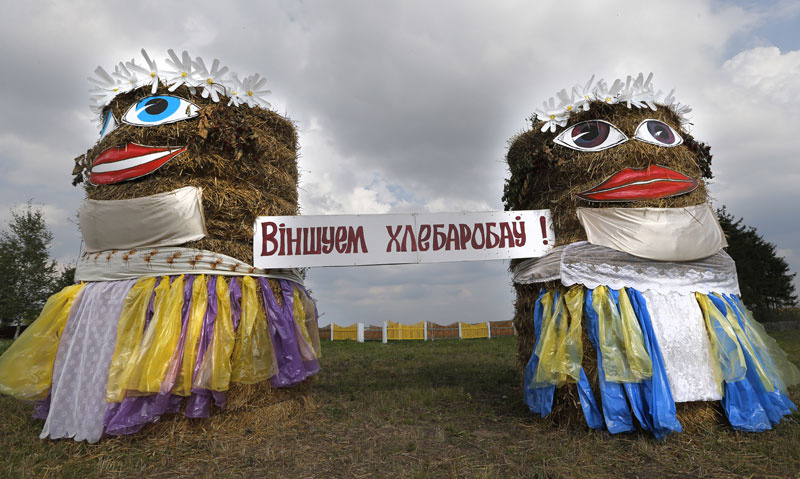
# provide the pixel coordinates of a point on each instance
(588, 403)
(775, 403)
(784, 400)
(634, 390)
(539, 400)
(656, 391)
(616, 414)
(741, 402)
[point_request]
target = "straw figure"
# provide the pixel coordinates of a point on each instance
(635, 313)
(169, 315)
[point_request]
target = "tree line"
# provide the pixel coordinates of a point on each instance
(28, 275)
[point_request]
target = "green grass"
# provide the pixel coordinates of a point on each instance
(412, 409)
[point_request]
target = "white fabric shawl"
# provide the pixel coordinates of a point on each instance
(662, 234)
(171, 218)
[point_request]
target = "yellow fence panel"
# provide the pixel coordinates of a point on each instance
(472, 331)
(345, 332)
(405, 331)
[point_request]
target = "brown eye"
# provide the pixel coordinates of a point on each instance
(657, 133)
(592, 135)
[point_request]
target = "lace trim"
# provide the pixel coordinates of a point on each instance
(593, 266)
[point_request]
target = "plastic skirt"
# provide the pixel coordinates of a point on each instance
(729, 357)
(109, 357)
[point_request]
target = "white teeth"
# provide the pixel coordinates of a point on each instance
(643, 182)
(131, 162)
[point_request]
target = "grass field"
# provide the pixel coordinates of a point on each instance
(410, 409)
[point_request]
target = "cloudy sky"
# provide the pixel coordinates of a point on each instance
(408, 106)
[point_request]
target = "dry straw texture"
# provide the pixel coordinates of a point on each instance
(545, 175)
(244, 159)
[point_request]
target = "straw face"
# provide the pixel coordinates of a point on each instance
(243, 158)
(546, 174)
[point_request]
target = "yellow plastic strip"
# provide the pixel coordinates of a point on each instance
(777, 363)
(299, 313)
(570, 351)
(311, 321)
(638, 360)
(727, 359)
(36, 348)
(160, 338)
(625, 358)
(215, 371)
(129, 336)
(730, 316)
(183, 384)
(554, 329)
(253, 358)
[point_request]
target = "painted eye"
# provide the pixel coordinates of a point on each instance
(160, 109)
(592, 135)
(657, 133)
(109, 124)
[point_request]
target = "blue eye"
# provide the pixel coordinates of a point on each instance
(109, 124)
(160, 109)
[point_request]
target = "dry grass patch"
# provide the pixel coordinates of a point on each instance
(405, 409)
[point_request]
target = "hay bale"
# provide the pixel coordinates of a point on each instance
(244, 159)
(544, 175)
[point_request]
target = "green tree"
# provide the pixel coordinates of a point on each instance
(28, 274)
(64, 278)
(764, 277)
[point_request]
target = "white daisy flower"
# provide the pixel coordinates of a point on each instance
(105, 88)
(552, 115)
(638, 93)
(150, 73)
(608, 95)
(668, 99)
(212, 80)
(566, 101)
(182, 71)
(584, 94)
(237, 91)
(127, 76)
(682, 111)
(254, 92)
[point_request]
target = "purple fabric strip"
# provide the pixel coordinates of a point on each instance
(284, 342)
(208, 325)
(199, 403)
(42, 408)
(150, 307)
(129, 416)
(311, 366)
(236, 302)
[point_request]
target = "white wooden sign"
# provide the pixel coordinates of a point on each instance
(349, 240)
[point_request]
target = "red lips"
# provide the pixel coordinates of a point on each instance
(636, 184)
(129, 162)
